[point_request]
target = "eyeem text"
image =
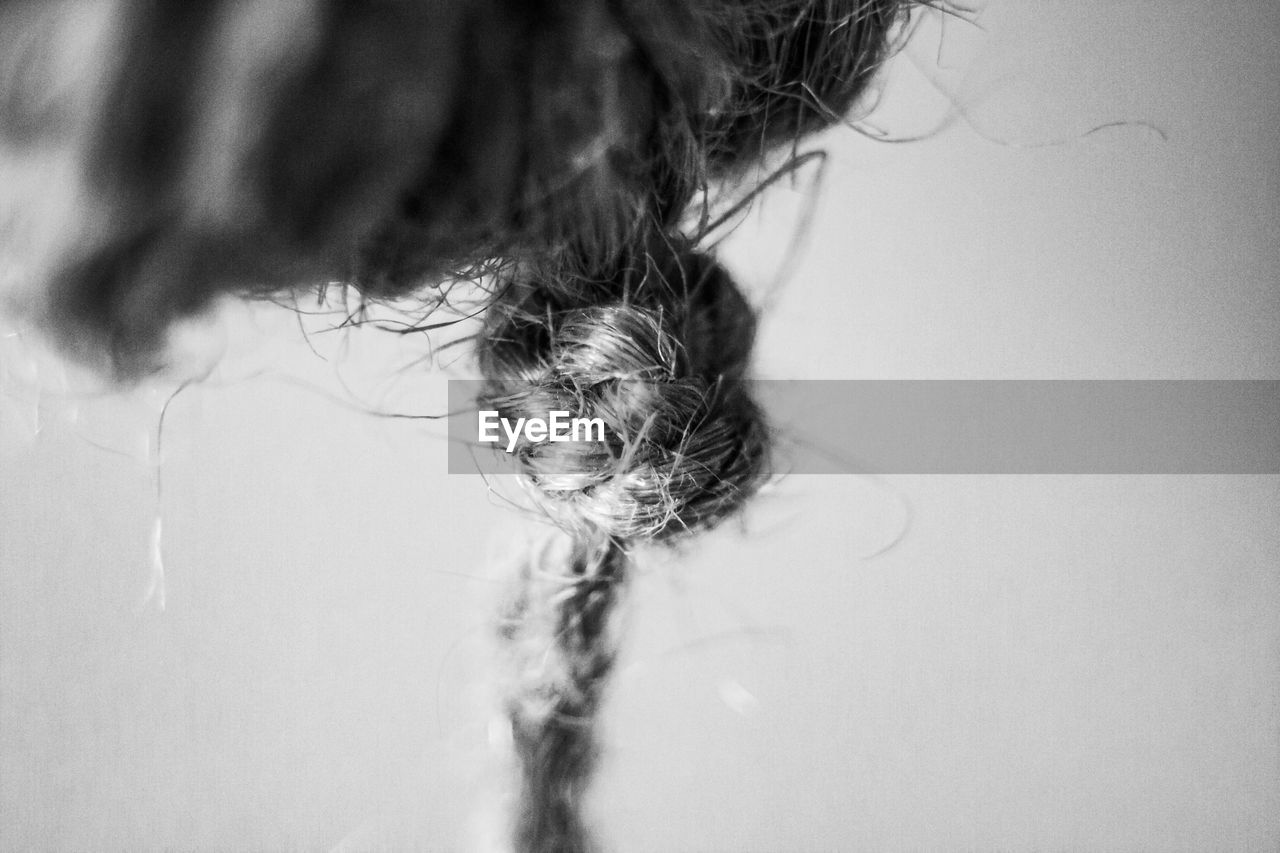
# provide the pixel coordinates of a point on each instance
(558, 427)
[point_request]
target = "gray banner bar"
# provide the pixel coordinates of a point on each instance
(986, 427)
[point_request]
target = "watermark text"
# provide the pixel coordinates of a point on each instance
(558, 426)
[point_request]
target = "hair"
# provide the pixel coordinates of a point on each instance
(552, 149)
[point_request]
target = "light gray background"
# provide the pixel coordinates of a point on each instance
(1037, 663)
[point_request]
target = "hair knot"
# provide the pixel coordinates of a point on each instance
(661, 367)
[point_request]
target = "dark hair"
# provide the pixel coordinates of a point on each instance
(551, 148)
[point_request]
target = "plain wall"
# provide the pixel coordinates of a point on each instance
(1062, 662)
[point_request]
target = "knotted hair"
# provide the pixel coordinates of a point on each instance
(658, 352)
(550, 149)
